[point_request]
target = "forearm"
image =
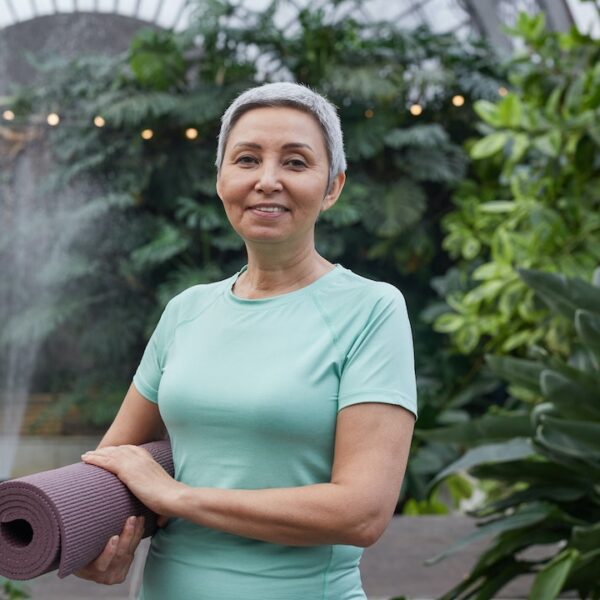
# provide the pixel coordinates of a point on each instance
(325, 513)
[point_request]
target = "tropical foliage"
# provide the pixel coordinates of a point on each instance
(152, 222)
(522, 205)
(534, 198)
(12, 590)
(548, 459)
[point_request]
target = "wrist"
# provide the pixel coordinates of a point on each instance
(174, 500)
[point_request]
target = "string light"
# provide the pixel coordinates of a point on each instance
(8, 115)
(53, 119)
(99, 121)
(458, 100)
(147, 134)
(416, 110)
(191, 133)
(502, 91)
(369, 113)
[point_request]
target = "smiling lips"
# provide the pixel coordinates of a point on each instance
(268, 211)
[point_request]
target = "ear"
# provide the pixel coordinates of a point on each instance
(335, 191)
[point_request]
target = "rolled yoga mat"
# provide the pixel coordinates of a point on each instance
(63, 518)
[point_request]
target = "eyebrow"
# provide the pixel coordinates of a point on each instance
(289, 146)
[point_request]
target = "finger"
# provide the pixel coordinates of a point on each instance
(138, 534)
(126, 537)
(103, 561)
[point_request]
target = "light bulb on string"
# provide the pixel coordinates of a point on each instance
(99, 121)
(8, 115)
(191, 133)
(416, 110)
(502, 91)
(458, 100)
(53, 119)
(369, 113)
(147, 134)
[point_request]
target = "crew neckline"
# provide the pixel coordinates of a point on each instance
(279, 298)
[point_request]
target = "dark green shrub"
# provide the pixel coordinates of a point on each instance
(155, 224)
(547, 460)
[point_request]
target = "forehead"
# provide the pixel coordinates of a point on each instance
(278, 125)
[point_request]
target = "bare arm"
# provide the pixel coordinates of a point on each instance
(371, 451)
(137, 422)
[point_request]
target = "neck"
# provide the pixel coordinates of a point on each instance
(271, 273)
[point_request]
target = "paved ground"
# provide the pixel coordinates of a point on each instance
(392, 567)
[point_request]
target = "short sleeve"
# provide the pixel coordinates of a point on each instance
(149, 372)
(379, 366)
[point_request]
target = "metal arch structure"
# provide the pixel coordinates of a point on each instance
(168, 14)
(484, 17)
(489, 16)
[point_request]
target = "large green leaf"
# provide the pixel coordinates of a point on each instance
(489, 428)
(524, 518)
(586, 538)
(489, 145)
(489, 112)
(560, 456)
(550, 579)
(587, 325)
(577, 439)
(508, 543)
(549, 492)
(497, 578)
(525, 373)
(584, 574)
(490, 453)
(572, 399)
(561, 294)
(510, 109)
(532, 471)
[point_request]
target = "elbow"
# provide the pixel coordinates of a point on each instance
(367, 531)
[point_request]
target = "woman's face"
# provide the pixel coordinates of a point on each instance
(273, 180)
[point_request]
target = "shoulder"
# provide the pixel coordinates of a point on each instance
(352, 292)
(193, 300)
(351, 304)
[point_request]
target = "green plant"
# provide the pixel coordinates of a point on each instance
(547, 460)
(12, 590)
(159, 226)
(533, 201)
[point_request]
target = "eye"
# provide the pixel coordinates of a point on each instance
(296, 163)
(246, 159)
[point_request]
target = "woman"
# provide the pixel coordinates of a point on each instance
(287, 390)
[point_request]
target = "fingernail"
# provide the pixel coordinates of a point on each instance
(131, 520)
(113, 540)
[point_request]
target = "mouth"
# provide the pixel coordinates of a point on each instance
(268, 211)
(269, 208)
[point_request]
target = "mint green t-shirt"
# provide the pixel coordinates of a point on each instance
(249, 391)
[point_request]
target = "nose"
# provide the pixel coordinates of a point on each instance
(268, 180)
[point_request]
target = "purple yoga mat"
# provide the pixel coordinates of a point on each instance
(62, 519)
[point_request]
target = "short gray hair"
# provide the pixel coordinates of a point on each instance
(293, 95)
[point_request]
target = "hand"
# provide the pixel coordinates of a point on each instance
(138, 470)
(113, 564)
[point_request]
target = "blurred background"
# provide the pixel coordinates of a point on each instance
(473, 141)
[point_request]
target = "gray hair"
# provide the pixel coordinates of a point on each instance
(293, 95)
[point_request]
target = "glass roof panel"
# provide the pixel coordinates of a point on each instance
(445, 15)
(440, 15)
